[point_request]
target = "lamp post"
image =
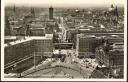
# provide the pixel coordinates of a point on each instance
(34, 61)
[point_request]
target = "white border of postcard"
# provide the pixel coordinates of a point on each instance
(43, 79)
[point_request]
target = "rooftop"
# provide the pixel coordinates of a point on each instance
(10, 37)
(25, 39)
(85, 36)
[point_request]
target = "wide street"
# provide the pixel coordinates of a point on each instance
(70, 68)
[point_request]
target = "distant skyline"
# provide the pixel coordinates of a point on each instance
(64, 3)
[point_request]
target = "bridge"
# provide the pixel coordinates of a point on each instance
(63, 45)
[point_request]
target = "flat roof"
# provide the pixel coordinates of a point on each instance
(85, 36)
(40, 37)
(27, 39)
(10, 37)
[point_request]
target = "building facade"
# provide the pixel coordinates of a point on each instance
(112, 59)
(20, 49)
(50, 13)
(44, 46)
(17, 50)
(86, 45)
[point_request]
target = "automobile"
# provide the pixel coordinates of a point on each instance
(90, 64)
(48, 59)
(87, 66)
(86, 61)
(83, 64)
(49, 64)
(67, 75)
(44, 62)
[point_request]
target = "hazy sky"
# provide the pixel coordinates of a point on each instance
(61, 3)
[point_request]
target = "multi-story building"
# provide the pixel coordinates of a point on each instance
(44, 46)
(7, 27)
(9, 39)
(118, 46)
(37, 32)
(86, 44)
(50, 13)
(114, 39)
(37, 29)
(111, 58)
(51, 27)
(16, 50)
(23, 49)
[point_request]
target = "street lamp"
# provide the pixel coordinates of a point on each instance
(34, 61)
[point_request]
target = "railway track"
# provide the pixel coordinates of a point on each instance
(15, 63)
